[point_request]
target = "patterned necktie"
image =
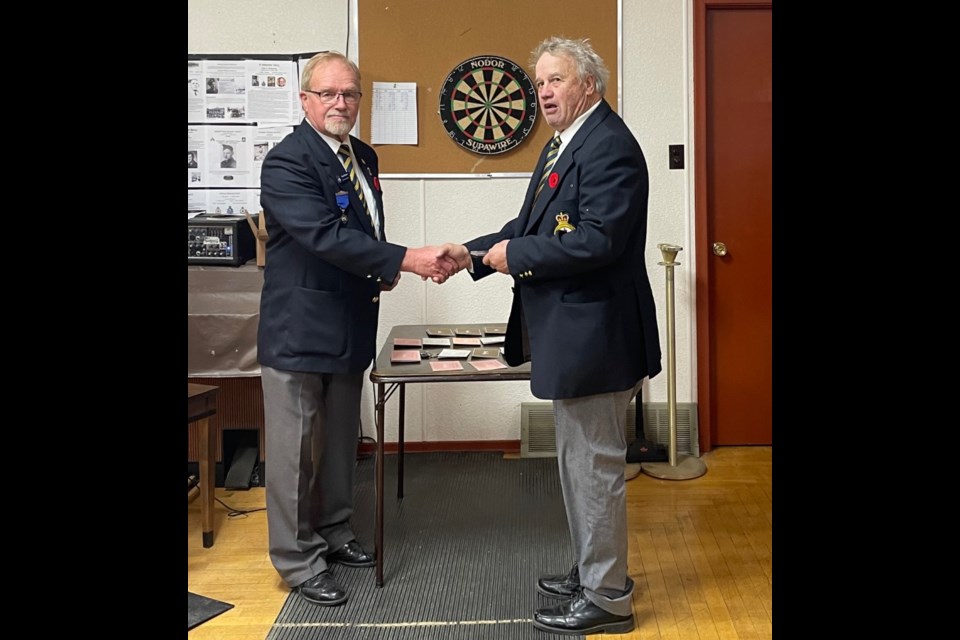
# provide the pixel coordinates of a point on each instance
(344, 154)
(551, 158)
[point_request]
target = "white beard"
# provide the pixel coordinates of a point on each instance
(339, 127)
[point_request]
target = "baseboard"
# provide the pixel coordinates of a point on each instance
(506, 446)
(367, 448)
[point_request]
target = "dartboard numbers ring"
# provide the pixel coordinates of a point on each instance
(488, 104)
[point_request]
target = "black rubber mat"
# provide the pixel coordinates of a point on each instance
(201, 608)
(463, 551)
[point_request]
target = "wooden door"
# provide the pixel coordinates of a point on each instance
(734, 220)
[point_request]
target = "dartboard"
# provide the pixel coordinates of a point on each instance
(488, 104)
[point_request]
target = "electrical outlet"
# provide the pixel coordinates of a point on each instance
(676, 156)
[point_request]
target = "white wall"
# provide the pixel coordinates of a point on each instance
(656, 97)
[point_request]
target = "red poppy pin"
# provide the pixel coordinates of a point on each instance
(376, 183)
(553, 180)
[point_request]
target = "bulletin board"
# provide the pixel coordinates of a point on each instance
(422, 42)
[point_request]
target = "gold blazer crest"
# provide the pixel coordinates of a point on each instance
(563, 224)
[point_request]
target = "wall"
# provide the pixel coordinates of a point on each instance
(655, 104)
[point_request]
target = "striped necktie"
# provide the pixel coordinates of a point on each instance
(551, 158)
(344, 154)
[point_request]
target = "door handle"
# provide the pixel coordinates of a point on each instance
(719, 249)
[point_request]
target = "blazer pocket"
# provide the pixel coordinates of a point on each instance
(318, 322)
(586, 295)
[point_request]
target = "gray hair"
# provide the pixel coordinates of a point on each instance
(323, 58)
(581, 52)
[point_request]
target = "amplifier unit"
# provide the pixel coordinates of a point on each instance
(226, 240)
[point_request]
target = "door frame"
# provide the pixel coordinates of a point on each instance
(705, 356)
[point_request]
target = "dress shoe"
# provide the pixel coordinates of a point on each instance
(563, 586)
(352, 555)
(579, 616)
(322, 589)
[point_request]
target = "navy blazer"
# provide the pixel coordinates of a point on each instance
(583, 312)
(320, 303)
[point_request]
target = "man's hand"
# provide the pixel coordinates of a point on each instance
(458, 253)
(453, 258)
(429, 262)
(497, 257)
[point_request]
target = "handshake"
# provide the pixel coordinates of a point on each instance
(440, 262)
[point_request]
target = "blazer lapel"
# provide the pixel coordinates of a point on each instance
(329, 165)
(526, 214)
(369, 176)
(562, 166)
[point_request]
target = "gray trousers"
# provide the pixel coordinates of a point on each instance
(312, 425)
(592, 453)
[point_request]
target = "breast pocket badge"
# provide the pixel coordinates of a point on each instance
(563, 224)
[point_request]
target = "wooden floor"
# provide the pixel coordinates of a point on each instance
(699, 554)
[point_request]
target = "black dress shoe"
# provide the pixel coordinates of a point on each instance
(322, 589)
(352, 555)
(579, 616)
(564, 586)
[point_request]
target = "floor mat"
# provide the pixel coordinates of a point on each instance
(201, 608)
(463, 550)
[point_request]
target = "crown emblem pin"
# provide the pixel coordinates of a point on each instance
(563, 224)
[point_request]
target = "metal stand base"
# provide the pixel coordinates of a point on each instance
(687, 468)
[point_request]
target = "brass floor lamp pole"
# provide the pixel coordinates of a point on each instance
(679, 467)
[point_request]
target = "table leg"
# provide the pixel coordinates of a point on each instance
(403, 404)
(207, 479)
(381, 401)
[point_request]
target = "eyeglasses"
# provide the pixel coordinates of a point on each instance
(330, 97)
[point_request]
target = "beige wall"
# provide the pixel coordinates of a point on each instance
(656, 92)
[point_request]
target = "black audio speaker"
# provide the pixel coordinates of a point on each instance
(224, 240)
